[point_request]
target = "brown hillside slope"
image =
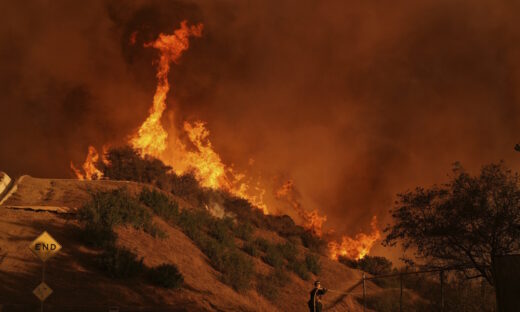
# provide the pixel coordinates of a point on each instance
(78, 286)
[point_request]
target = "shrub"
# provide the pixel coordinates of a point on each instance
(120, 263)
(166, 276)
(115, 207)
(187, 187)
(244, 231)
(220, 229)
(273, 256)
(159, 203)
(262, 244)
(280, 277)
(295, 239)
(374, 265)
(266, 288)
(111, 208)
(156, 231)
(214, 250)
(237, 270)
(313, 242)
(98, 235)
(283, 225)
(192, 222)
(300, 269)
(125, 163)
(251, 249)
(313, 263)
(288, 250)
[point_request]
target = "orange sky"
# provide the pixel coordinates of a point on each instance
(354, 101)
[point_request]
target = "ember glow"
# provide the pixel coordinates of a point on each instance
(196, 153)
(357, 247)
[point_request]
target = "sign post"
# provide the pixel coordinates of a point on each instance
(44, 247)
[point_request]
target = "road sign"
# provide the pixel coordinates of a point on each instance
(42, 291)
(44, 246)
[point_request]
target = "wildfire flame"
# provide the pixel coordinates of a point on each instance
(151, 137)
(91, 172)
(311, 220)
(357, 247)
(200, 157)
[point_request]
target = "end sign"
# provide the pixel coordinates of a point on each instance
(44, 246)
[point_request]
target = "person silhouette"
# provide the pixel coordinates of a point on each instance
(316, 293)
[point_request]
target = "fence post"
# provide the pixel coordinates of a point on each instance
(401, 295)
(442, 290)
(364, 294)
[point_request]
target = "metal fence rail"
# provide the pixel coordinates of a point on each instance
(400, 275)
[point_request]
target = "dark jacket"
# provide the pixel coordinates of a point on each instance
(315, 301)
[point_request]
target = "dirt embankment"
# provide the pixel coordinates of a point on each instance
(36, 205)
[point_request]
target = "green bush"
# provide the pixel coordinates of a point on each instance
(280, 277)
(374, 265)
(313, 263)
(187, 187)
(111, 208)
(288, 250)
(192, 222)
(300, 268)
(214, 250)
(98, 235)
(220, 229)
(237, 270)
(159, 203)
(244, 231)
(266, 288)
(166, 276)
(273, 256)
(251, 249)
(313, 242)
(125, 163)
(269, 286)
(120, 263)
(262, 244)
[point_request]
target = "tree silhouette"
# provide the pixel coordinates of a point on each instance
(466, 221)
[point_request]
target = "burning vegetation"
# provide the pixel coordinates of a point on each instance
(196, 157)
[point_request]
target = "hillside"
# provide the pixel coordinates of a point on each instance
(33, 205)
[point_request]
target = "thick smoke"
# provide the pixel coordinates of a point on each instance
(352, 100)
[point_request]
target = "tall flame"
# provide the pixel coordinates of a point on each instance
(151, 137)
(357, 247)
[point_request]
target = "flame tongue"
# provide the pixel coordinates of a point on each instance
(89, 166)
(358, 247)
(151, 137)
